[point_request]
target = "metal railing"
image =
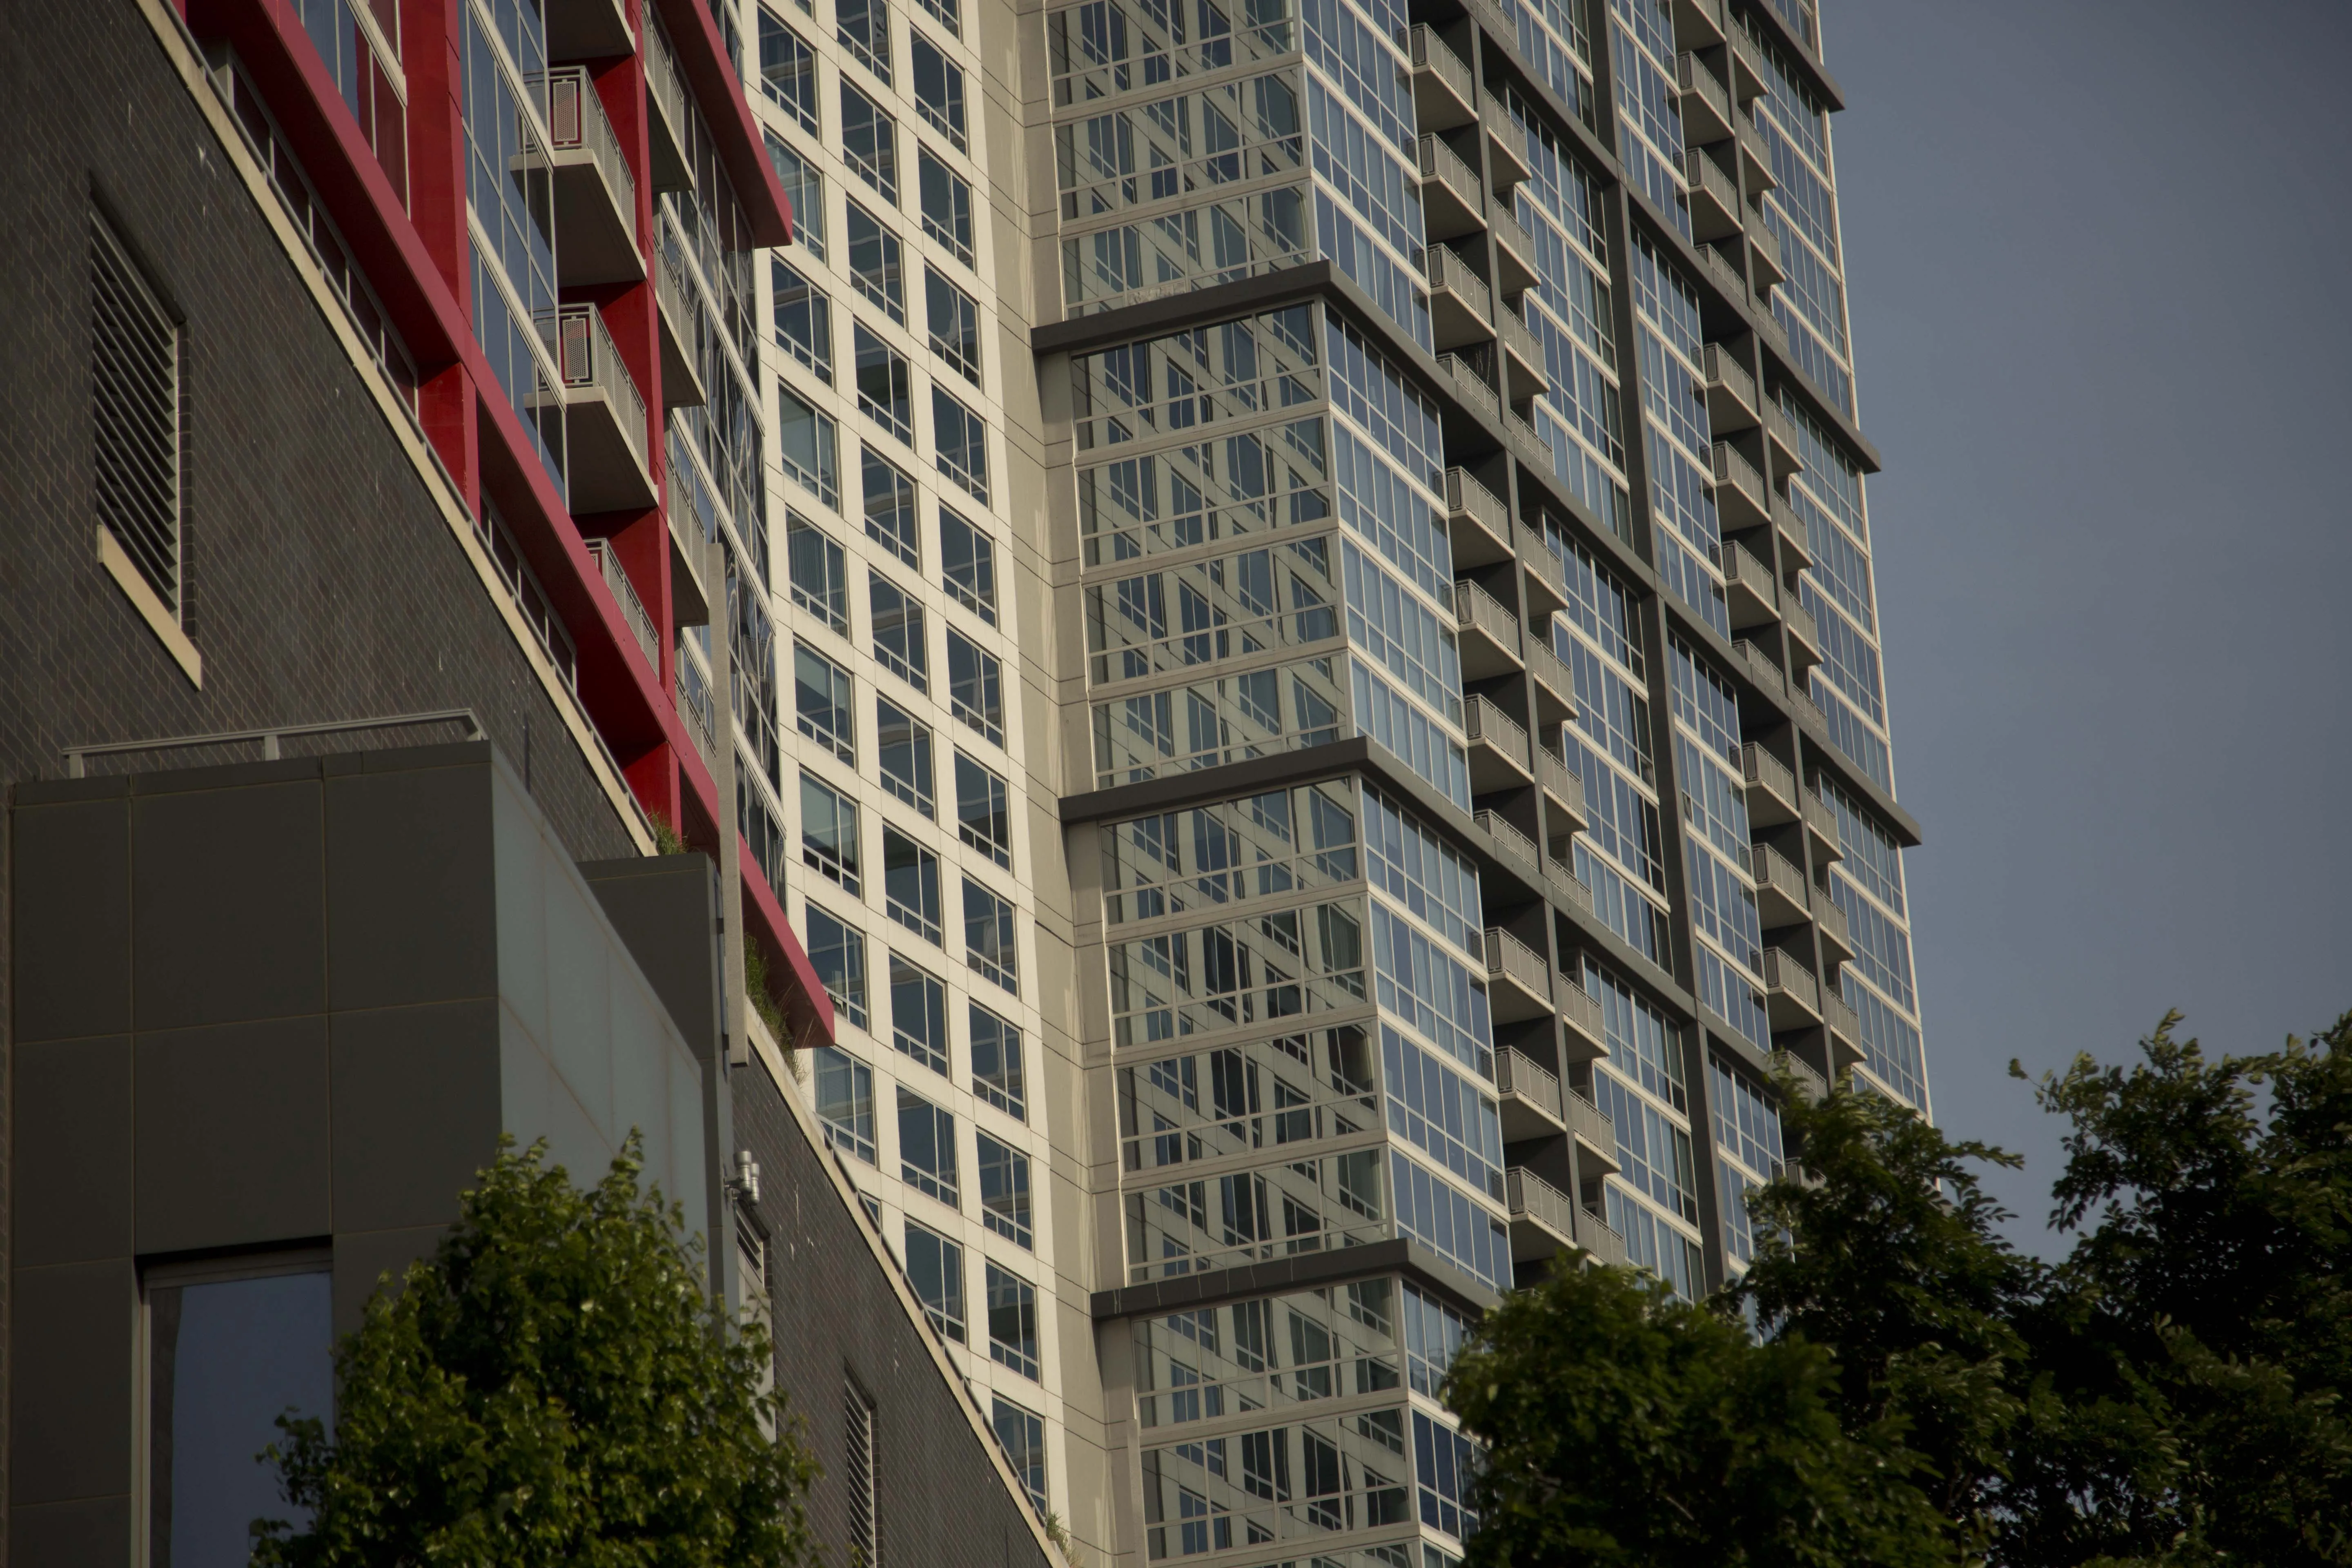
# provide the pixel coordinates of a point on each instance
(1768, 249)
(1512, 236)
(1598, 1237)
(576, 122)
(1518, 338)
(1802, 627)
(1521, 431)
(1791, 529)
(1590, 1122)
(1783, 434)
(1482, 721)
(1820, 819)
(1560, 781)
(1726, 277)
(1547, 671)
(695, 706)
(1762, 668)
(1470, 387)
(1832, 920)
(663, 84)
(1734, 469)
(1510, 146)
(1786, 974)
(1774, 870)
(1769, 774)
(1466, 497)
(1740, 567)
(1579, 896)
(1431, 54)
(1507, 956)
(633, 608)
(1579, 1010)
(1517, 1074)
(1726, 371)
(1808, 710)
(1838, 1015)
(1533, 1198)
(1510, 844)
(1442, 163)
(588, 359)
(270, 738)
(1697, 80)
(1476, 607)
(1449, 273)
(1702, 174)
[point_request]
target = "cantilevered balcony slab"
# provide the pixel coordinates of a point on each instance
(1507, 154)
(588, 30)
(1443, 95)
(1514, 256)
(1830, 925)
(1791, 998)
(1714, 205)
(1498, 747)
(1748, 591)
(1543, 1218)
(1699, 22)
(1523, 358)
(1783, 897)
(1740, 491)
(1731, 404)
(1460, 304)
(1547, 580)
(1805, 636)
(1706, 105)
(1764, 259)
(595, 195)
(1772, 793)
(1518, 984)
(1755, 159)
(1450, 204)
(1582, 1034)
(1489, 638)
(681, 308)
(1555, 690)
(1563, 791)
(1476, 524)
(1820, 827)
(1512, 849)
(604, 424)
(1528, 1097)
(1796, 542)
(1595, 1135)
(666, 129)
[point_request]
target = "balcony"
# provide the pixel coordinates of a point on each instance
(1543, 1218)
(1511, 846)
(1740, 491)
(1706, 108)
(1699, 22)
(1783, 897)
(1475, 522)
(1714, 199)
(1546, 578)
(1754, 159)
(1568, 891)
(693, 524)
(1603, 1247)
(1730, 390)
(633, 608)
(604, 428)
(694, 704)
(1772, 793)
(1804, 637)
(1523, 359)
(1489, 638)
(1808, 712)
(595, 195)
(1472, 389)
(1845, 1029)
(1584, 1037)
(1829, 921)
(1762, 668)
(666, 129)
(1747, 73)
(1459, 301)
(1562, 788)
(1796, 546)
(1595, 1135)
(1726, 277)
(1748, 591)
(587, 30)
(682, 321)
(1516, 987)
(1764, 250)
(1506, 155)
(1555, 690)
(1528, 1098)
(1442, 95)
(1791, 998)
(1532, 449)
(1822, 827)
(1449, 193)
(1498, 747)
(1515, 255)
(1780, 439)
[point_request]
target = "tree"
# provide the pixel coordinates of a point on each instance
(551, 1386)
(1626, 1427)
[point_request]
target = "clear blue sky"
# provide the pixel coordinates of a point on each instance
(2100, 264)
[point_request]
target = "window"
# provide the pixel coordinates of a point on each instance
(808, 447)
(819, 570)
(885, 389)
(829, 833)
(232, 1343)
(983, 820)
(1005, 1190)
(910, 884)
(962, 443)
(805, 188)
(975, 686)
(874, 263)
(788, 71)
(865, 31)
(955, 324)
(821, 690)
(919, 1015)
(869, 143)
(927, 1158)
(948, 13)
(935, 1272)
(988, 937)
(996, 1075)
(858, 1471)
(968, 565)
(897, 631)
(946, 203)
(845, 1102)
(1022, 1438)
(890, 508)
(904, 747)
(804, 320)
(1012, 1322)
(837, 953)
(762, 834)
(135, 396)
(938, 89)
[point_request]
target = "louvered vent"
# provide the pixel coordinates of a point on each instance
(864, 1538)
(135, 381)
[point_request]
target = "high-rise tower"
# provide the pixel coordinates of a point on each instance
(1329, 535)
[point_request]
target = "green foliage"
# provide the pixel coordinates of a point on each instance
(755, 985)
(2170, 1396)
(551, 1386)
(665, 837)
(1627, 1427)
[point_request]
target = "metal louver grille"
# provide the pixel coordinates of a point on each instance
(865, 1542)
(135, 398)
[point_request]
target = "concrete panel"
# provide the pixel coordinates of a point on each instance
(414, 1096)
(521, 909)
(93, 1534)
(70, 873)
(72, 1347)
(72, 1165)
(230, 1137)
(227, 905)
(537, 1103)
(410, 887)
(580, 952)
(362, 1261)
(643, 1045)
(663, 907)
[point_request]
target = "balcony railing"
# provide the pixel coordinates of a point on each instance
(599, 235)
(1820, 821)
(1829, 921)
(1529, 1095)
(1782, 895)
(1791, 996)
(1714, 198)
(1771, 787)
(1487, 727)
(1459, 300)
(681, 316)
(1750, 592)
(1511, 962)
(694, 705)
(1479, 526)
(669, 133)
(1449, 191)
(1532, 448)
(1524, 356)
(1727, 277)
(1510, 844)
(1589, 1126)
(1766, 246)
(1762, 668)
(1739, 490)
(1506, 155)
(1553, 774)
(1755, 161)
(1598, 1237)
(1442, 95)
(1706, 107)
(1472, 389)
(1804, 635)
(1515, 253)
(1535, 1202)
(602, 406)
(1586, 1036)
(1838, 1015)
(1796, 542)
(1490, 634)
(1731, 391)
(1787, 456)
(633, 608)
(1555, 688)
